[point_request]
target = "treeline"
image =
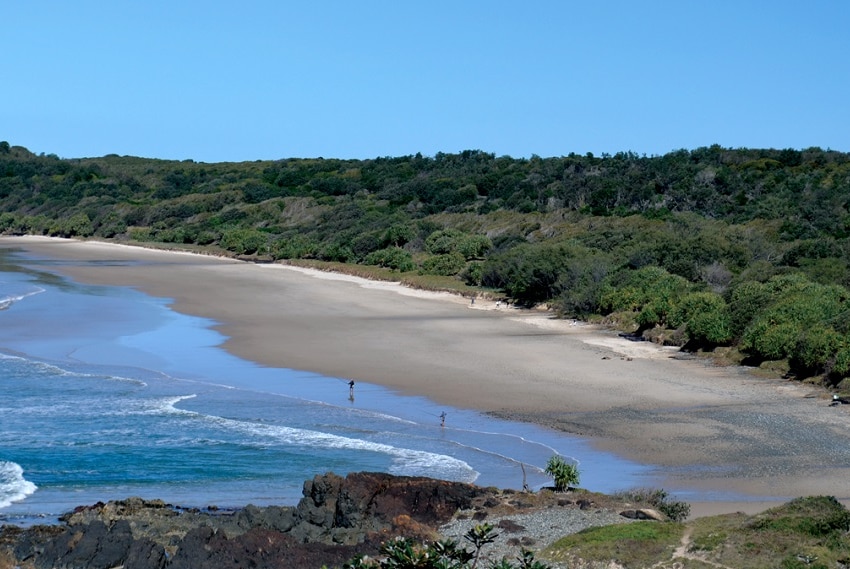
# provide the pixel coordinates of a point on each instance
(740, 248)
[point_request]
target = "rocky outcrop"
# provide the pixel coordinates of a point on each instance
(644, 514)
(336, 519)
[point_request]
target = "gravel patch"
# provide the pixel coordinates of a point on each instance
(533, 531)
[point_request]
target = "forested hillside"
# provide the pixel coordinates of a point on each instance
(740, 248)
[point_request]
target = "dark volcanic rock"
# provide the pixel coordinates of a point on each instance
(94, 546)
(145, 554)
(260, 548)
(346, 509)
(338, 518)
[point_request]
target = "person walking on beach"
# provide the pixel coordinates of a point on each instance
(443, 419)
(351, 390)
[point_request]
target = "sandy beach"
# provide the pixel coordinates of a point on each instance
(712, 428)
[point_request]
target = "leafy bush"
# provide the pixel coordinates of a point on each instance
(651, 292)
(705, 316)
(659, 499)
(398, 235)
(446, 265)
(443, 241)
(564, 473)
(394, 258)
(796, 322)
(532, 273)
(243, 241)
(474, 246)
(403, 553)
(335, 252)
(297, 247)
(472, 274)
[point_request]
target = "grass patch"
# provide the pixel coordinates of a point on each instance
(806, 532)
(635, 544)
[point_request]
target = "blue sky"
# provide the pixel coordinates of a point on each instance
(266, 79)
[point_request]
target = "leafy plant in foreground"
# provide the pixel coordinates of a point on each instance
(403, 553)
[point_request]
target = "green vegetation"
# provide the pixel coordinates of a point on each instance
(659, 499)
(810, 532)
(638, 544)
(806, 532)
(403, 553)
(565, 474)
(743, 249)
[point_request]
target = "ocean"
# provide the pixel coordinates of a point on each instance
(107, 393)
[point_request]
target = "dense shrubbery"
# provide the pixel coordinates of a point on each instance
(394, 258)
(746, 248)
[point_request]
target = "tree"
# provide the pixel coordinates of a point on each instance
(565, 474)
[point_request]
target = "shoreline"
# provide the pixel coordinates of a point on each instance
(708, 426)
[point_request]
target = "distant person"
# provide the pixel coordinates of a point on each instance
(351, 389)
(443, 419)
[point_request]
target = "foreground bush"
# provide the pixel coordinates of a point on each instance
(402, 553)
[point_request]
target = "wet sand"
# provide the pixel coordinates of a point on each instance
(713, 429)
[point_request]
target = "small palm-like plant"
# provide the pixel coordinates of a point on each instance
(565, 474)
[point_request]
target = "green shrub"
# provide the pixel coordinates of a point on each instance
(651, 292)
(297, 247)
(446, 265)
(659, 499)
(796, 322)
(335, 252)
(705, 316)
(472, 273)
(565, 474)
(394, 258)
(443, 241)
(474, 246)
(243, 241)
(403, 553)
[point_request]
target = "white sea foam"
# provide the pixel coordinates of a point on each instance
(13, 486)
(405, 461)
(55, 369)
(10, 299)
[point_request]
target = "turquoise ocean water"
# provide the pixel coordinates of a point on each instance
(106, 393)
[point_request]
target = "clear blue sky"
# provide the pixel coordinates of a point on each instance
(266, 79)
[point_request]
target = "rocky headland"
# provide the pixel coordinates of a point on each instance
(336, 519)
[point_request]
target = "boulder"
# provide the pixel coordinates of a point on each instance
(644, 514)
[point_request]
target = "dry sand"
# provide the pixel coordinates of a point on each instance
(712, 428)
